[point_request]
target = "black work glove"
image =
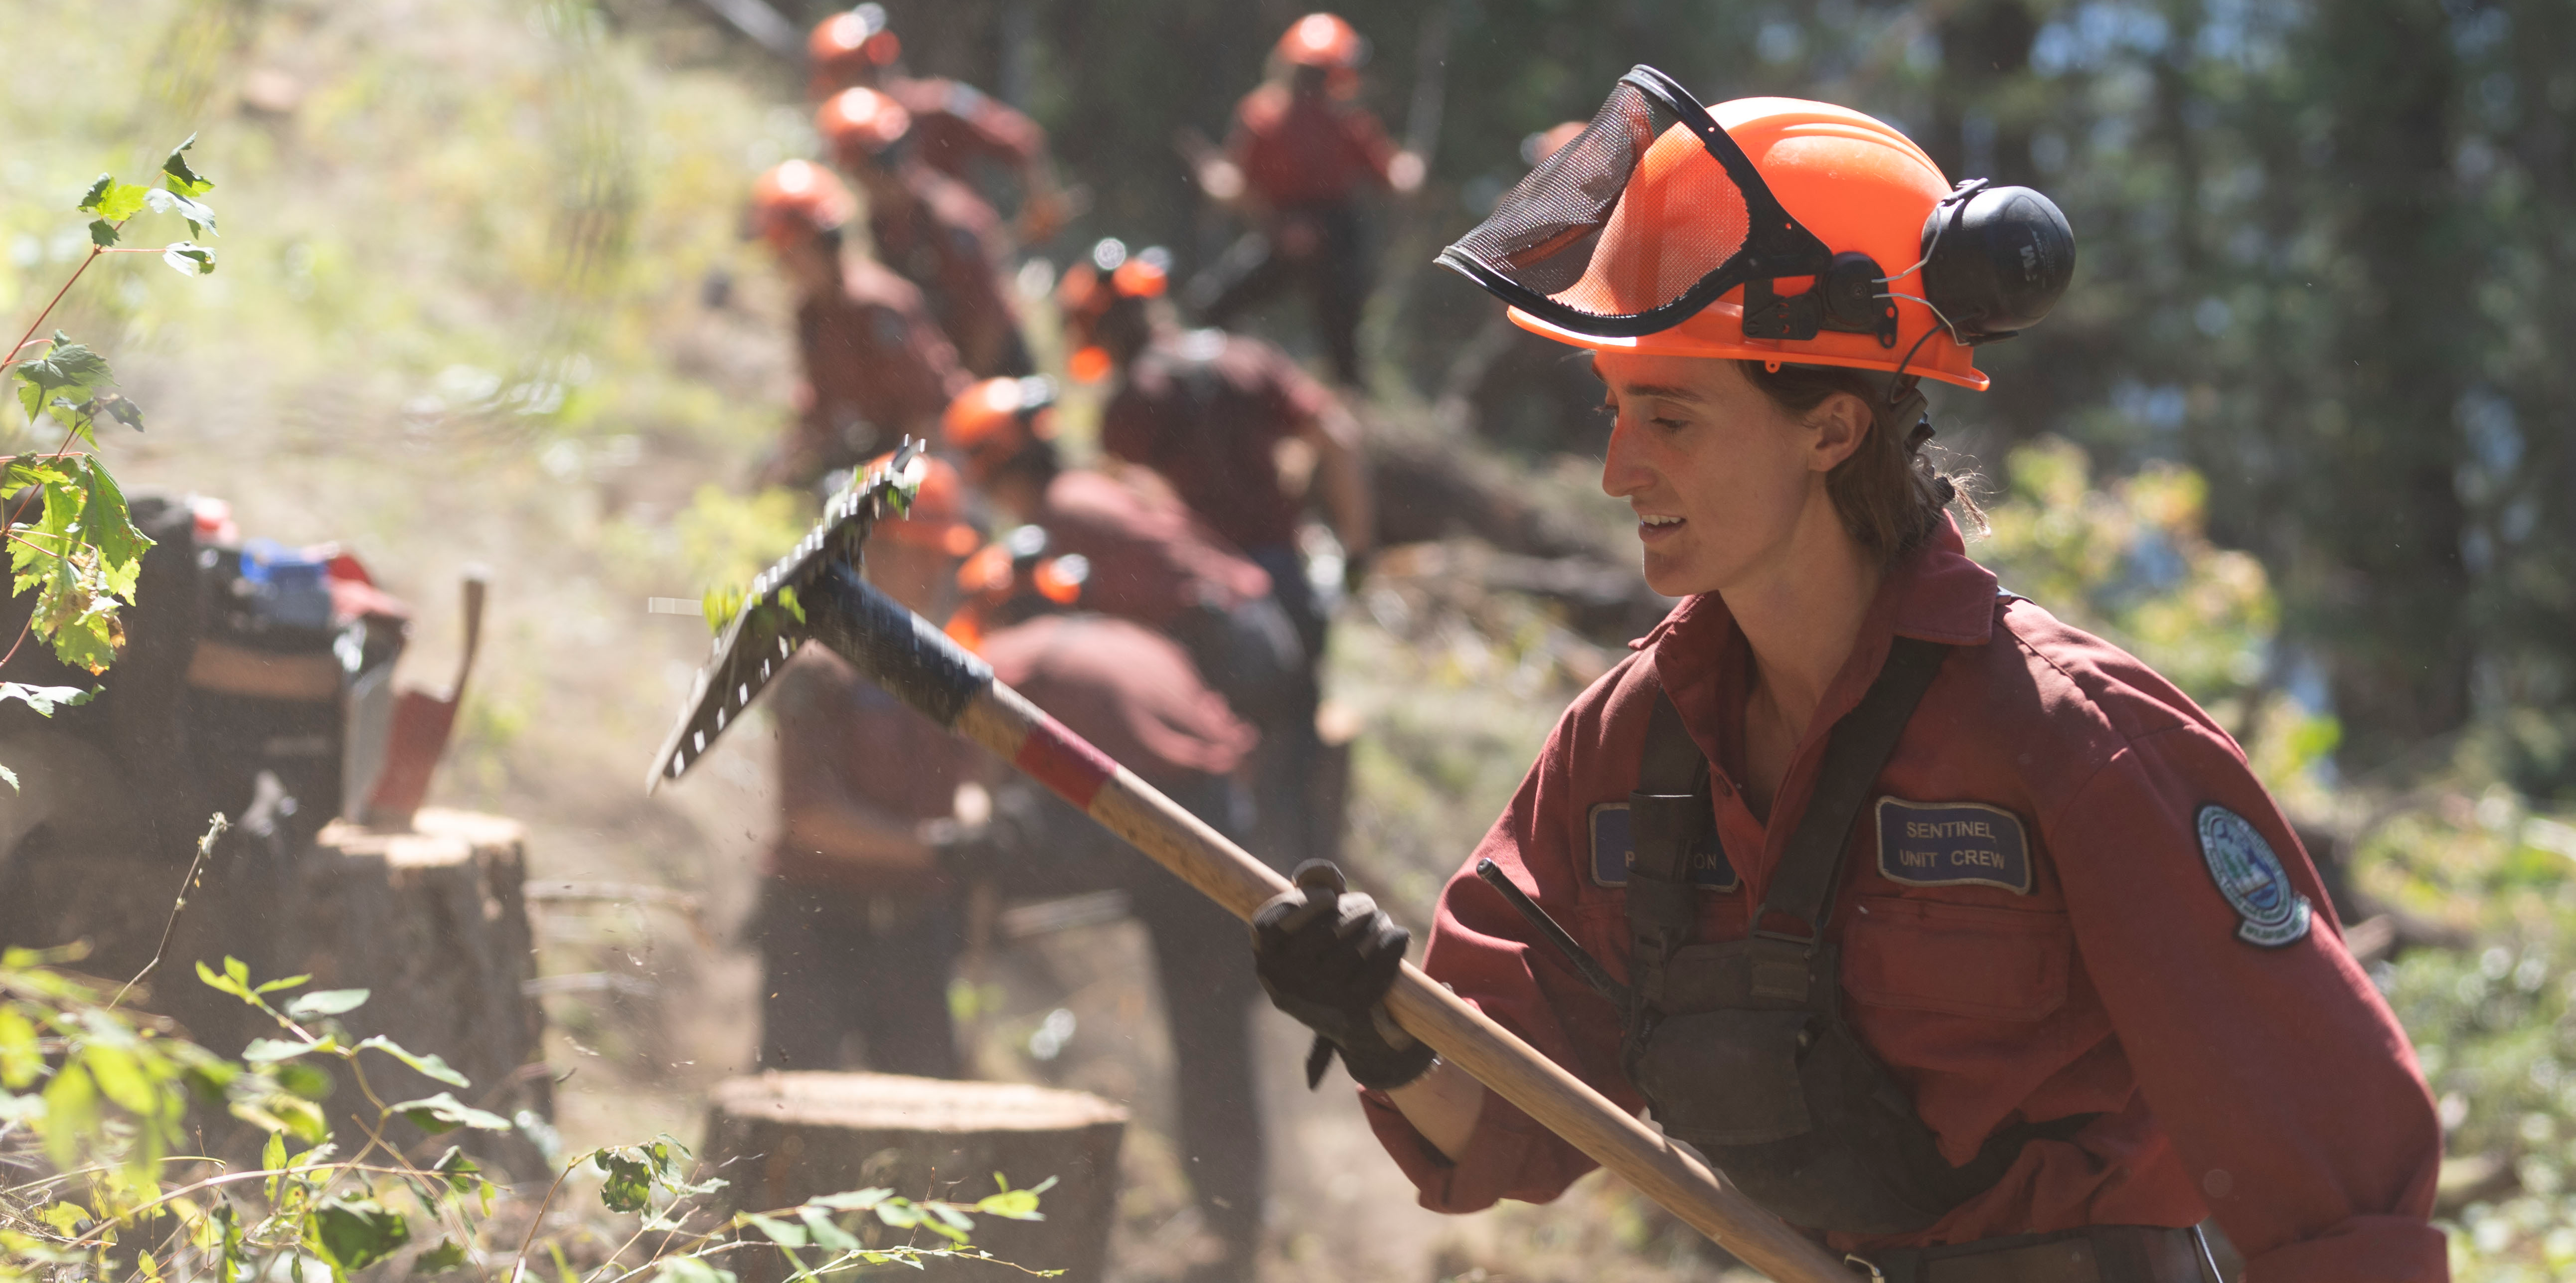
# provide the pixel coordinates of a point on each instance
(1327, 957)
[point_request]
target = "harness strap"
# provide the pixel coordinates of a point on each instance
(1802, 885)
(1669, 814)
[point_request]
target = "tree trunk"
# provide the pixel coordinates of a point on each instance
(784, 1137)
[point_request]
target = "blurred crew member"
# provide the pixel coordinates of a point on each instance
(1946, 931)
(958, 129)
(1152, 562)
(931, 229)
(859, 920)
(1302, 152)
(1134, 693)
(876, 368)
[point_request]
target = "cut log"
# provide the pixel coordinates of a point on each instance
(434, 923)
(781, 1138)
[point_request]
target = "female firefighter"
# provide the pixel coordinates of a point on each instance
(1944, 930)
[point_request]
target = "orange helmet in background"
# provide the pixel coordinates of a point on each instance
(937, 517)
(1322, 40)
(796, 199)
(1089, 289)
(1769, 229)
(849, 49)
(1012, 578)
(994, 420)
(861, 124)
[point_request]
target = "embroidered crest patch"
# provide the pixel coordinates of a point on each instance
(2251, 877)
(1952, 844)
(1614, 850)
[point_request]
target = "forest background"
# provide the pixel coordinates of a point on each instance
(2300, 432)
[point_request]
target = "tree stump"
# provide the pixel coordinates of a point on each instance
(781, 1138)
(433, 923)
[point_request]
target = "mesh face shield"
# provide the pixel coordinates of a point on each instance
(1648, 216)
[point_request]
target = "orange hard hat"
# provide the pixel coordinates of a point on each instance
(860, 122)
(937, 516)
(1089, 289)
(1664, 225)
(849, 48)
(997, 418)
(999, 580)
(798, 198)
(1322, 40)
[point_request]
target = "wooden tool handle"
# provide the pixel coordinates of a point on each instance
(914, 662)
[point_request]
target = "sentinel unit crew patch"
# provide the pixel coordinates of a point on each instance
(1952, 844)
(1614, 849)
(2251, 877)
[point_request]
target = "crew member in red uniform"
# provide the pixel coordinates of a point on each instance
(1149, 560)
(876, 368)
(1943, 929)
(961, 130)
(930, 228)
(1302, 154)
(859, 914)
(1134, 694)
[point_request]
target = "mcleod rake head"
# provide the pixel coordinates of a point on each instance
(764, 634)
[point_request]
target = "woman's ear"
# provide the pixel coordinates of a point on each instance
(1841, 423)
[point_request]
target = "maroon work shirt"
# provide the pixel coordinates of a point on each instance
(876, 368)
(945, 239)
(2082, 955)
(954, 125)
(1150, 560)
(1208, 410)
(1307, 151)
(1132, 692)
(842, 741)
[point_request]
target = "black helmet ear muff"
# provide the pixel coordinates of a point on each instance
(1995, 259)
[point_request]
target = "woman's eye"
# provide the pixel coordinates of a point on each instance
(1670, 425)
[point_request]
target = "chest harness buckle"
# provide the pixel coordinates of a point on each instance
(1741, 1047)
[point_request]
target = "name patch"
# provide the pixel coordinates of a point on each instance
(1614, 851)
(1952, 844)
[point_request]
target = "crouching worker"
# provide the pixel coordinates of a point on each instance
(859, 914)
(1944, 930)
(1134, 693)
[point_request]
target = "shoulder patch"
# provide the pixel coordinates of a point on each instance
(2273, 912)
(1614, 849)
(1951, 844)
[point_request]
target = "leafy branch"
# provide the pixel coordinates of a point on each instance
(79, 550)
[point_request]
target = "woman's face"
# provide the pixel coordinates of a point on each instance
(1725, 484)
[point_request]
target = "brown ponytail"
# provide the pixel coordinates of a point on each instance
(1889, 492)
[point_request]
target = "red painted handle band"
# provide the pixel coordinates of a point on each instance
(1064, 761)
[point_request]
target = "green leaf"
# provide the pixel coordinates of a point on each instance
(66, 1218)
(463, 1176)
(899, 1213)
(306, 1079)
(66, 367)
(445, 1113)
(178, 177)
(326, 1002)
(45, 699)
(201, 220)
(269, 1051)
(857, 1200)
(122, 409)
(827, 1235)
(354, 1233)
(112, 200)
(188, 258)
(108, 525)
(779, 1232)
(440, 1259)
(285, 982)
(690, 1269)
(426, 1064)
(629, 1187)
(102, 233)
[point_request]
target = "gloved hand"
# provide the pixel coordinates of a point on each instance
(1327, 957)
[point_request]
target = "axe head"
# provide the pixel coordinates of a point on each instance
(756, 645)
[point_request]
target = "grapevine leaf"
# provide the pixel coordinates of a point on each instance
(189, 259)
(630, 1181)
(102, 233)
(428, 1064)
(440, 1259)
(358, 1232)
(107, 525)
(122, 409)
(325, 1002)
(69, 368)
(113, 201)
(445, 1113)
(45, 699)
(178, 177)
